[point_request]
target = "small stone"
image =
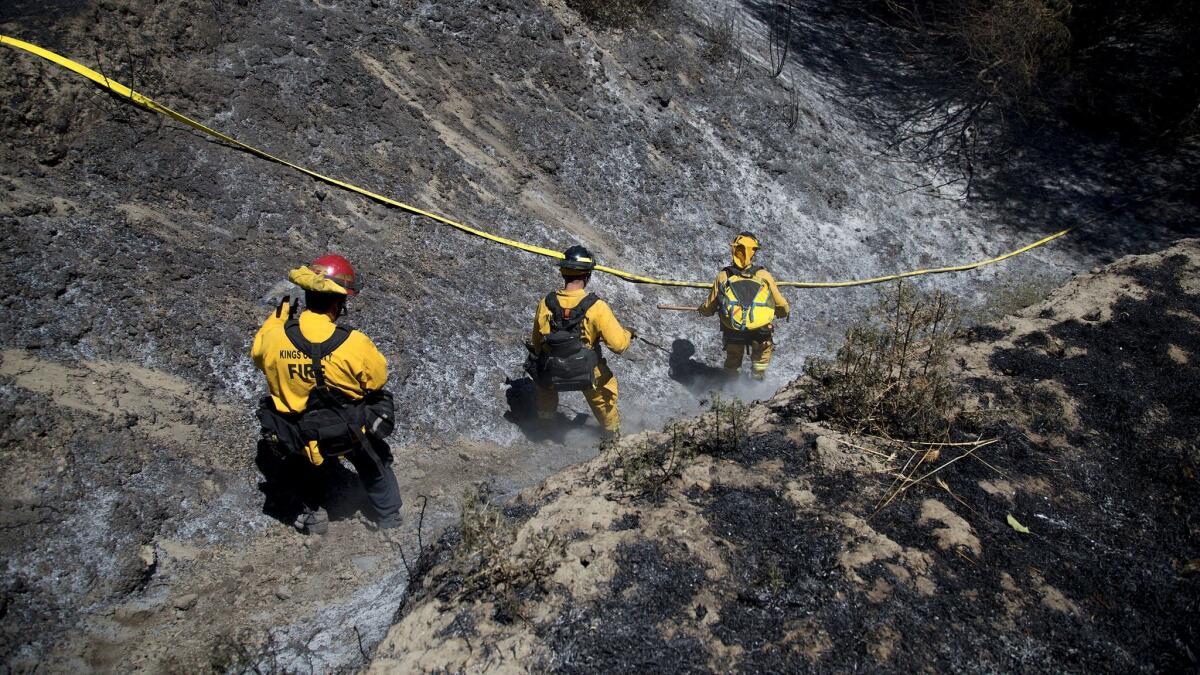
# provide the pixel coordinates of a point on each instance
(149, 556)
(283, 593)
(826, 446)
(186, 601)
(132, 614)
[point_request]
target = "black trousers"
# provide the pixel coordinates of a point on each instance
(293, 484)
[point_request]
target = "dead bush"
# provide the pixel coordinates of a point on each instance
(889, 376)
(1018, 46)
(1116, 65)
(722, 34)
(642, 469)
(1006, 58)
(617, 13)
(1010, 48)
(499, 564)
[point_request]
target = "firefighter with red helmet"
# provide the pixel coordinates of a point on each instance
(326, 402)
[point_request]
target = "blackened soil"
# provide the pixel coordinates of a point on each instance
(1117, 537)
(784, 568)
(623, 631)
(984, 333)
(769, 446)
(957, 627)
(791, 594)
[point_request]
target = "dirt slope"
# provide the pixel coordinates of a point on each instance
(766, 552)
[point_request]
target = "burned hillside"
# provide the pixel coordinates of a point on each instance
(142, 256)
(1057, 528)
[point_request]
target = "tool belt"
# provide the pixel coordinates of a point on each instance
(747, 337)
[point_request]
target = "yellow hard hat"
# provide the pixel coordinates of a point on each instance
(743, 248)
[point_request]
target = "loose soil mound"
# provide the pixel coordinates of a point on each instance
(769, 551)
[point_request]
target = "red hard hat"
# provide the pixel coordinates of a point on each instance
(337, 269)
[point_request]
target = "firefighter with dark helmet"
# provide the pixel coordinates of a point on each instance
(569, 327)
(326, 402)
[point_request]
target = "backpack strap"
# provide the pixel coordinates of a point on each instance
(558, 320)
(585, 304)
(316, 351)
(555, 307)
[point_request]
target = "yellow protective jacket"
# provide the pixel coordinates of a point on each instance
(714, 295)
(355, 367)
(598, 324)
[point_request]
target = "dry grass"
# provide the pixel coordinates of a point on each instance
(643, 469)
(497, 567)
(722, 35)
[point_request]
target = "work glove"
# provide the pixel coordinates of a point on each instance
(313, 453)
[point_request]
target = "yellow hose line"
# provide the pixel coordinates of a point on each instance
(148, 103)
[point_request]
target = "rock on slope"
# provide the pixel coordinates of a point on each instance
(766, 552)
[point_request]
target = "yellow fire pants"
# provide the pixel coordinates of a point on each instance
(602, 399)
(760, 357)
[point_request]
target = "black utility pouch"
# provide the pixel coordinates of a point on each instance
(278, 429)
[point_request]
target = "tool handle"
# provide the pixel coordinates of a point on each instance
(679, 308)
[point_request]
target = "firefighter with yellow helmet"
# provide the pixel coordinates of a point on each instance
(326, 402)
(748, 300)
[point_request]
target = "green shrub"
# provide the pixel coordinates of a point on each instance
(889, 376)
(642, 469)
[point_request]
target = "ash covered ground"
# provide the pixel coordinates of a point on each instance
(142, 255)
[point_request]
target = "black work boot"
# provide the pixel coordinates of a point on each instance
(313, 522)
